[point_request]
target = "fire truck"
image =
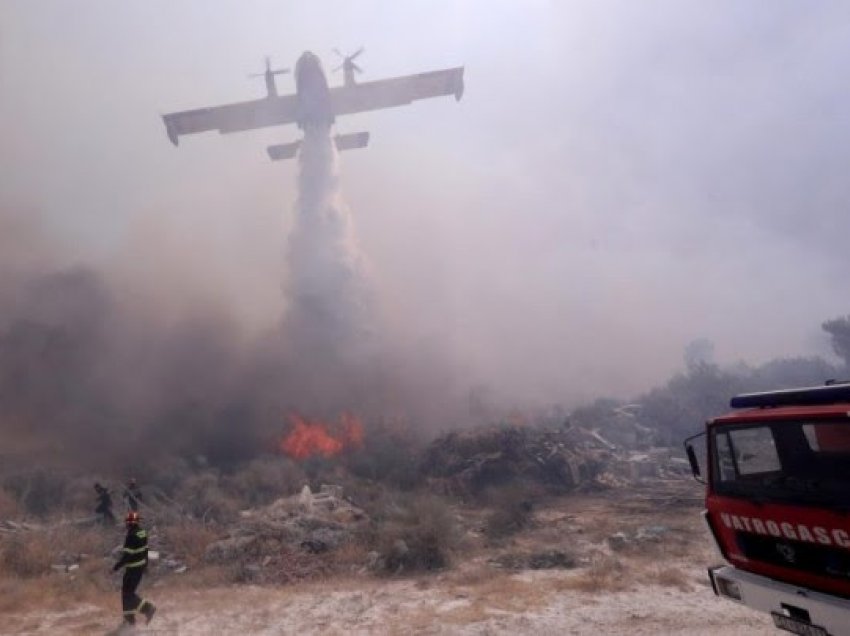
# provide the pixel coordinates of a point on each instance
(777, 476)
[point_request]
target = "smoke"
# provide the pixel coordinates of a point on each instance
(340, 352)
(87, 381)
(330, 327)
(98, 372)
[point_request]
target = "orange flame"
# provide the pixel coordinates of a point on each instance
(309, 439)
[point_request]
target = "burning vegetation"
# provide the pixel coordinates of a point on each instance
(313, 438)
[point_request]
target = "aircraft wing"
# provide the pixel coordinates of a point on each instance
(396, 91)
(269, 111)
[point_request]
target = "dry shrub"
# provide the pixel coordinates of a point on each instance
(605, 525)
(263, 480)
(495, 596)
(350, 555)
(513, 511)
(282, 566)
(188, 540)
(28, 581)
(164, 473)
(8, 505)
(38, 491)
(390, 457)
(82, 540)
(93, 581)
(55, 591)
(26, 555)
(539, 560)
(205, 577)
(669, 577)
(419, 535)
(472, 574)
(605, 574)
(202, 497)
(674, 543)
(375, 499)
(30, 554)
(17, 594)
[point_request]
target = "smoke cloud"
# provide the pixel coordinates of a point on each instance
(331, 325)
(96, 375)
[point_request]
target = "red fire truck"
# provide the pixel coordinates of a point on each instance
(777, 475)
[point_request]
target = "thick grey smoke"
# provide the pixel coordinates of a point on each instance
(331, 314)
(549, 230)
(336, 344)
(94, 375)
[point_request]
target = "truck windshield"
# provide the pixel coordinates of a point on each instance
(800, 462)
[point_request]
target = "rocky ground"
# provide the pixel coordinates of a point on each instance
(625, 561)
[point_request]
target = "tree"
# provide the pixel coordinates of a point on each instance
(699, 353)
(839, 331)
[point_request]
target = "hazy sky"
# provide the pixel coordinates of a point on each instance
(619, 179)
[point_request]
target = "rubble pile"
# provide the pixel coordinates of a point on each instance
(467, 462)
(559, 458)
(280, 542)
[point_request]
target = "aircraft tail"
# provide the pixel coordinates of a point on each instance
(350, 141)
(283, 151)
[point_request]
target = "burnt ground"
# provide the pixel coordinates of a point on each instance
(629, 560)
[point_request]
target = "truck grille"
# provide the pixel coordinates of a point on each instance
(807, 557)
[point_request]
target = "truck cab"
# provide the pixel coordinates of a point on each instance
(777, 476)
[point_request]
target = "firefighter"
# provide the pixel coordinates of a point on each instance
(134, 560)
(104, 505)
(132, 495)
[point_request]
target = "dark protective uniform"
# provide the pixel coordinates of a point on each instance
(104, 505)
(134, 558)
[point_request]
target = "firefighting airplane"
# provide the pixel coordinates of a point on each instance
(314, 104)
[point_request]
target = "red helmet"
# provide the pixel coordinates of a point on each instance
(132, 518)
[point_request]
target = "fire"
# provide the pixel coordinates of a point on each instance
(309, 439)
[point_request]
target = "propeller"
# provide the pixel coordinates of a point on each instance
(349, 60)
(269, 70)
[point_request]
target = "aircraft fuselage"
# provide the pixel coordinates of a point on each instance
(314, 96)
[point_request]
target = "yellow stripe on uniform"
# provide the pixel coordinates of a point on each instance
(137, 610)
(135, 550)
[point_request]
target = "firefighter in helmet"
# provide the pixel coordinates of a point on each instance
(134, 560)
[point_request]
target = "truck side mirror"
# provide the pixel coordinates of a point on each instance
(692, 457)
